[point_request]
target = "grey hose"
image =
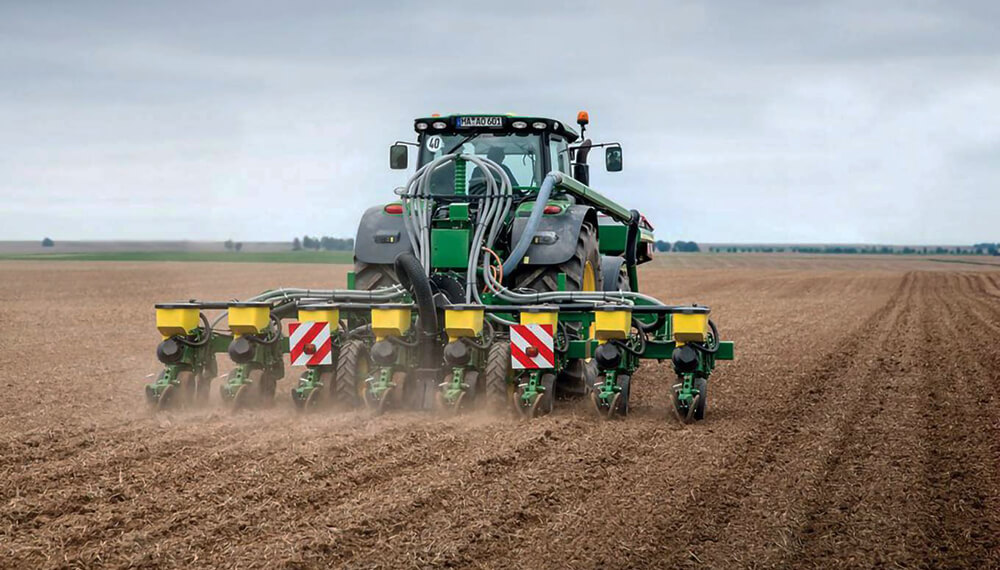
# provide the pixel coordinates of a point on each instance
(292, 294)
(517, 252)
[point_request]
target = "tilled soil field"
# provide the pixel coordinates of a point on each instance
(858, 427)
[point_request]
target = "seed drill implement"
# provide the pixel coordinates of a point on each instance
(497, 279)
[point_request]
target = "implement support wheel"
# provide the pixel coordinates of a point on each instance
(495, 377)
(348, 386)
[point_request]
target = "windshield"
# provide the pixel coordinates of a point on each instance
(519, 155)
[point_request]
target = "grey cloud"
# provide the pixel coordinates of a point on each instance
(742, 121)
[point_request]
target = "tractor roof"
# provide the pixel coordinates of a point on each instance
(487, 123)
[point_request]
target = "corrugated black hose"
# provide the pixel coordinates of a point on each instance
(412, 277)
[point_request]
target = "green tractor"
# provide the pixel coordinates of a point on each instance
(498, 279)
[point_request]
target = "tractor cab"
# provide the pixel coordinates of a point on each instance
(527, 148)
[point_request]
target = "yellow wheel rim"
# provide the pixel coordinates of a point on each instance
(589, 278)
(362, 375)
(589, 284)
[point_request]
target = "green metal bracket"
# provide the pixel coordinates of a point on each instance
(726, 351)
(381, 382)
(533, 388)
(307, 383)
(609, 387)
(457, 384)
(581, 348)
(458, 212)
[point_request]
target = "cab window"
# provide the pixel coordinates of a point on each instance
(558, 154)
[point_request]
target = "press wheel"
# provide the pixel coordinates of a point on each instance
(166, 397)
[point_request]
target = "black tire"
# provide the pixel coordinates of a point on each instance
(495, 377)
(625, 382)
(347, 388)
(623, 282)
(614, 277)
(701, 384)
(166, 398)
(260, 391)
(368, 276)
(546, 405)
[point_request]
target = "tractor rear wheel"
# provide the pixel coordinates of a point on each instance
(495, 385)
(368, 276)
(348, 386)
(582, 270)
(583, 273)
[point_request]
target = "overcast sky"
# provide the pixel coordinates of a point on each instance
(741, 121)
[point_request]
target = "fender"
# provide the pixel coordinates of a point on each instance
(555, 240)
(381, 237)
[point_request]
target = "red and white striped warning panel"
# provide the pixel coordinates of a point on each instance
(531, 347)
(309, 343)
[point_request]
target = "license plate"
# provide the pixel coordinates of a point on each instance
(487, 122)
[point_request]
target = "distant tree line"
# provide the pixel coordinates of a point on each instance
(230, 245)
(978, 249)
(987, 248)
(326, 243)
(679, 246)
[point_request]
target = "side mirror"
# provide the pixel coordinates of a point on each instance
(613, 158)
(398, 156)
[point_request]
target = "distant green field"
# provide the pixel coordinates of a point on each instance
(210, 256)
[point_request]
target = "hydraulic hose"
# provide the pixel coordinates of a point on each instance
(205, 337)
(292, 294)
(517, 252)
(411, 275)
(715, 340)
(631, 239)
(657, 323)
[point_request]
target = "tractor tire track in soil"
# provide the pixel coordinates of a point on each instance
(858, 427)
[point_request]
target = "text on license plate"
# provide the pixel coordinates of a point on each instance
(488, 122)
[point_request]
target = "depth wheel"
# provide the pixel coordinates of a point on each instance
(253, 392)
(203, 388)
(187, 387)
(621, 407)
(382, 404)
(313, 401)
(165, 400)
(701, 384)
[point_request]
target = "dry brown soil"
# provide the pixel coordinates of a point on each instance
(858, 427)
